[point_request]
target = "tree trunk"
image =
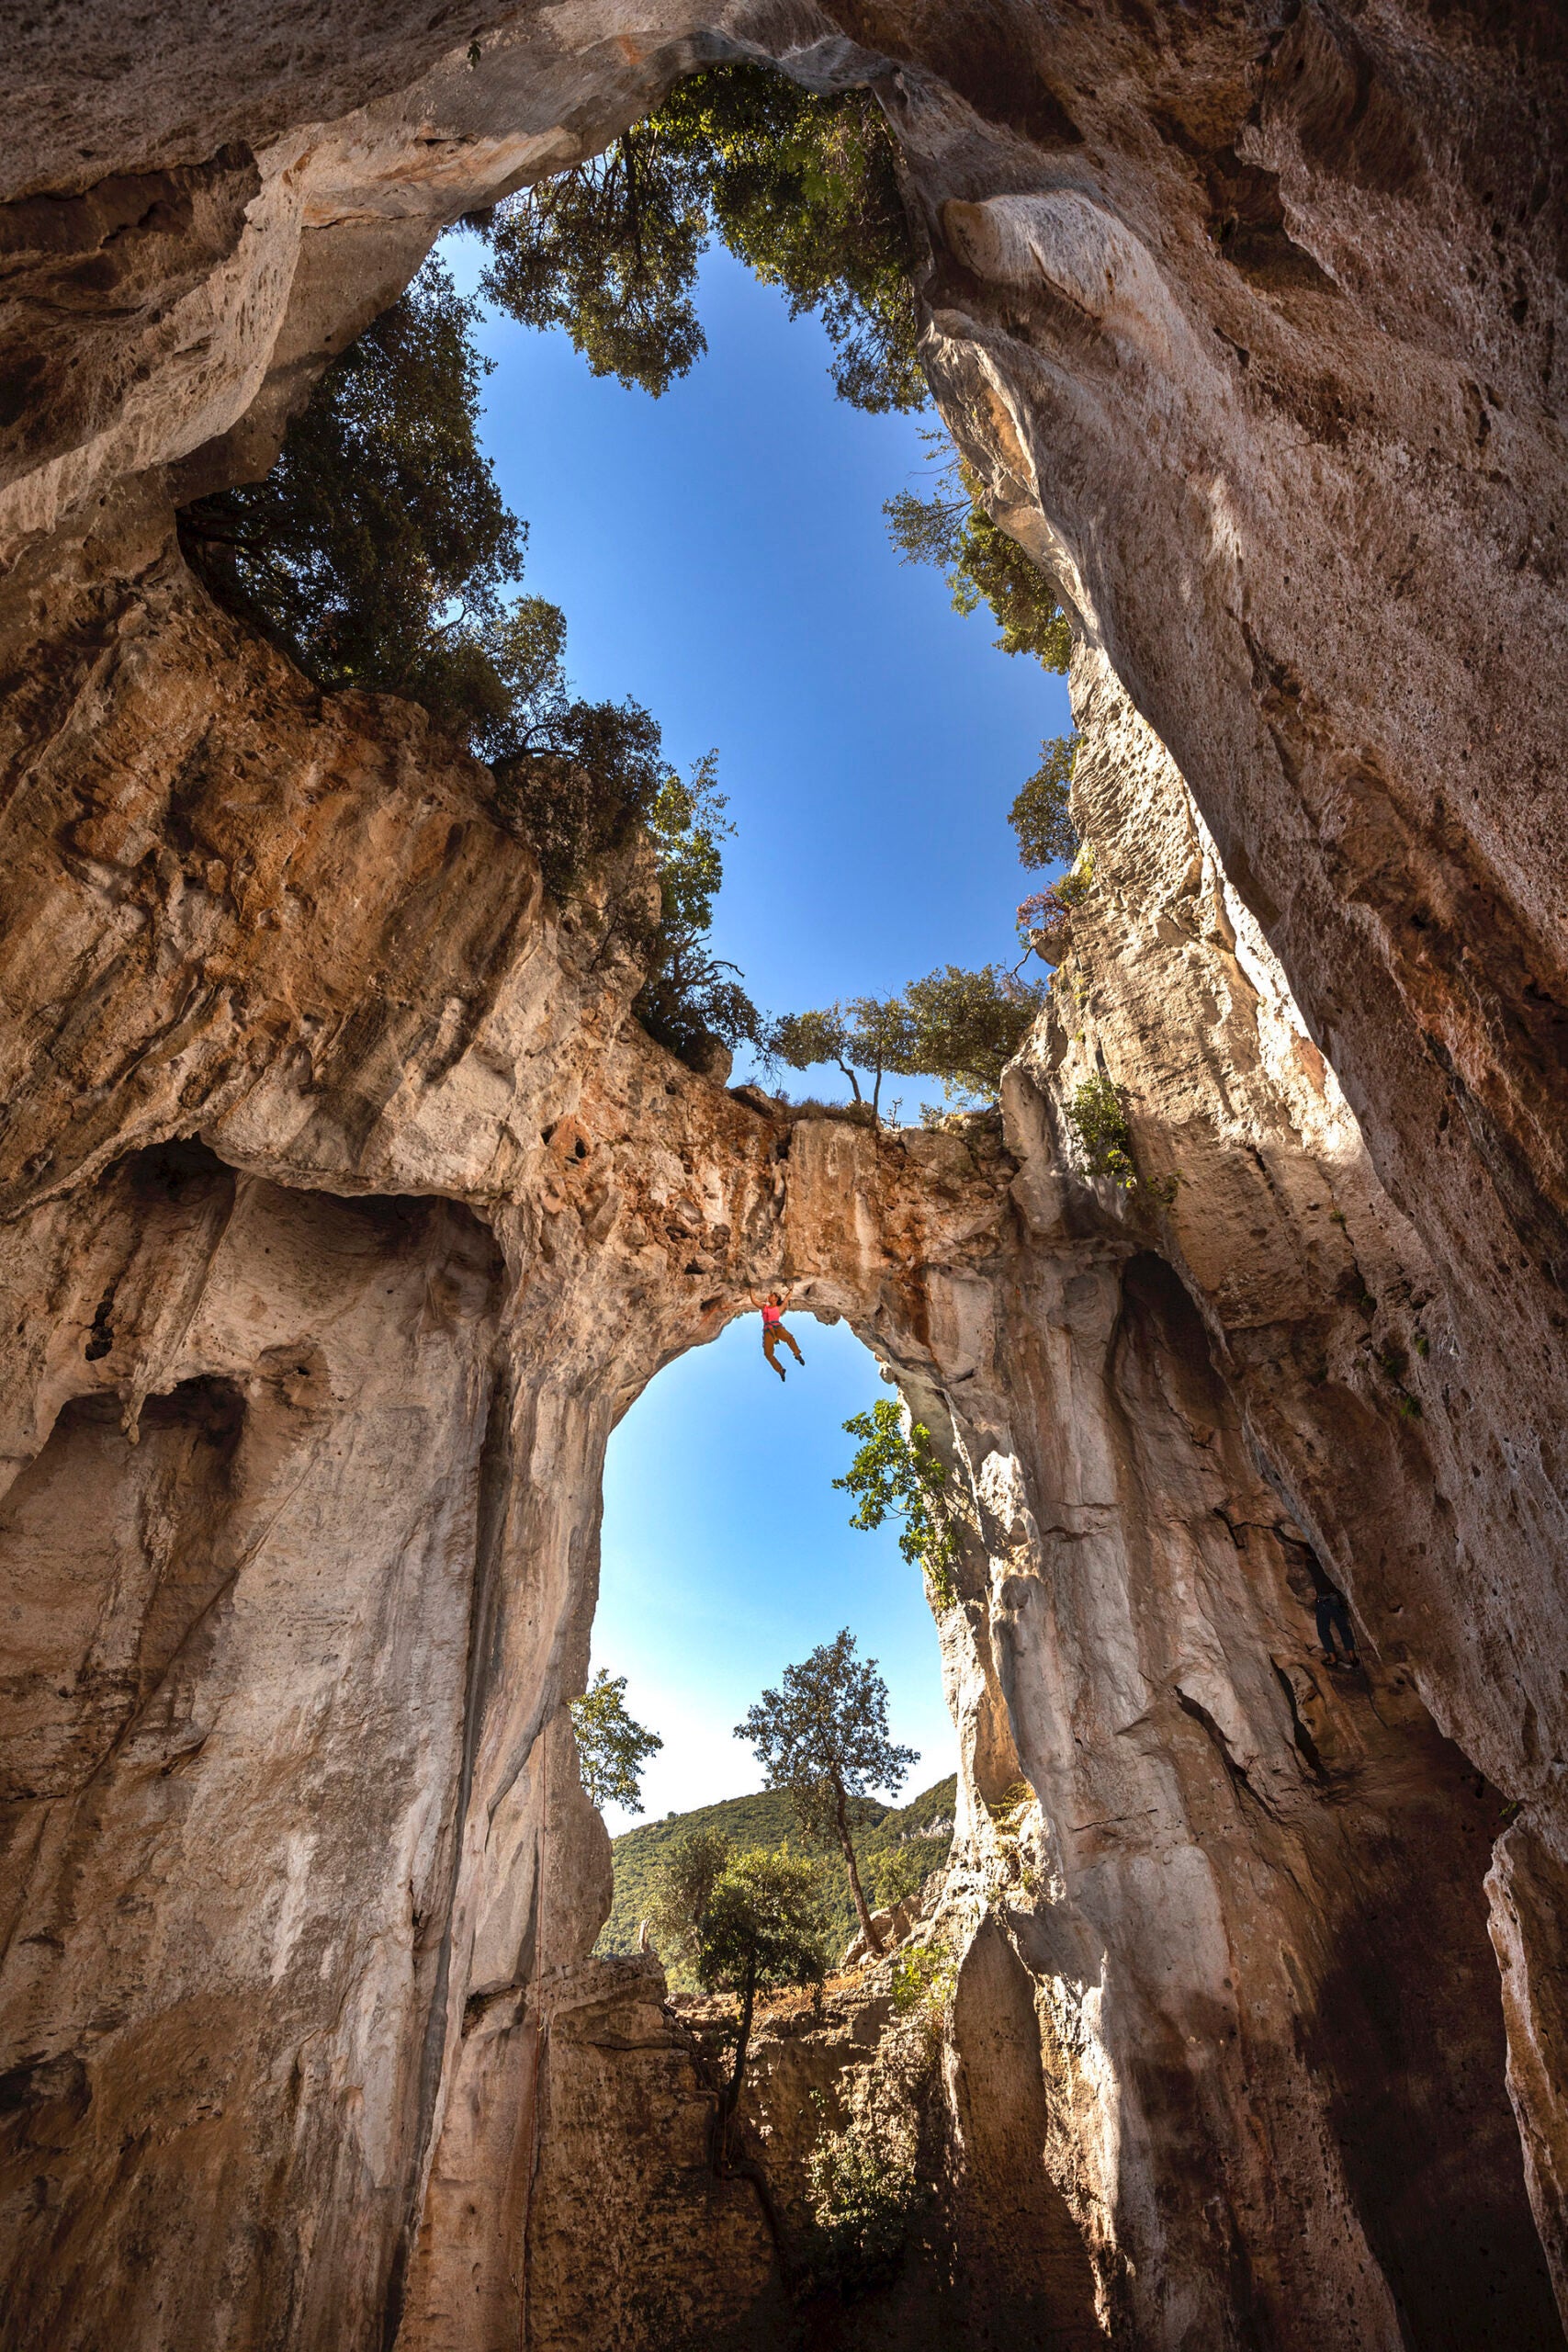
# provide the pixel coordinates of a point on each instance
(867, 1931)
(731, 2098)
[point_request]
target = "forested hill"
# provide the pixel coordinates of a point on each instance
(896, 1847)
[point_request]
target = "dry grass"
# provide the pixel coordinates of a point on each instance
(810, 1106)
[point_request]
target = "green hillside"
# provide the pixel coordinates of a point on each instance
(893, 1846)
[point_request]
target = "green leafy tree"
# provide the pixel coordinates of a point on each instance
(951, 529)
(823, 1736)
(378, 548)
(1045, 916)
(1040, 815)
(802, 188)
(767, 1818)
(680, 1883)
(1098, 1118)
(1098, 1121)
(611, 1749)
(802, 1040)
(574, 777)
(992, 569)
(378, 552)
(609, 251)
(861, 1036)
(692, 996)
(882, 1038)
(865, 2191)
(746, 1923)
(897, 1470)
(963, 1027)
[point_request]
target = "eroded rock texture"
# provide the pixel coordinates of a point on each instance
(1156, 1527)
(346, 1211)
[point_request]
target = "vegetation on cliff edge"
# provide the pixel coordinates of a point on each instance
(893, 1848)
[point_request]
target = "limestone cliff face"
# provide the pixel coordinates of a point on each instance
(1219, 1407)
(319, 1342)
(346, 1211)
(300, 1555)
(1253, 327)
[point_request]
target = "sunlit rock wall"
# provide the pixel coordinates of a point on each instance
(346, 1213)
(1250, 320)
(318, 1345)
(1188, 1417)
(350, 1213)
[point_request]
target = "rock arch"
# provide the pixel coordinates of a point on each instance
(376, 1740)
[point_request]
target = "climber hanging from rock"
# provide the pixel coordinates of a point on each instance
(773, 1330)
(1333, 1618)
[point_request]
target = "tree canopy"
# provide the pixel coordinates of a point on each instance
(961, 1026)
(1045, 917)
(802, 188)
(897, 1470)
(682, 1882)
(865, 1035)
(1098, 1121)
(573, 777)
(382, 554)
(951, 529)
(1041, 817)
(966, 1026)
(378, 552)
(823, 1736)
(895, 1848)
(611, 1749)
(691, 995)
(761, 1924)
(747, 1923)
(378, 548)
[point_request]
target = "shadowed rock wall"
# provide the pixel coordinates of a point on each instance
(238, 1623)
(346, 1214)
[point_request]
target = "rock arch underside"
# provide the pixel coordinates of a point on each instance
(347, 1209)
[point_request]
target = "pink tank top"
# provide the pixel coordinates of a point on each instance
(770, 1315)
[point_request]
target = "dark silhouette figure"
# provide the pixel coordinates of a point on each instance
(1334, 1618)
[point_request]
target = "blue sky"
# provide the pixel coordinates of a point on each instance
(721, 555)
(728, 1555)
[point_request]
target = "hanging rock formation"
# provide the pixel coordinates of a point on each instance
(347, 1210)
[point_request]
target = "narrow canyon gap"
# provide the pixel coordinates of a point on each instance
(347, 1209)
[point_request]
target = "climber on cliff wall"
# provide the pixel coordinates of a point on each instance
(1333, 1617)
(773, 1330)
